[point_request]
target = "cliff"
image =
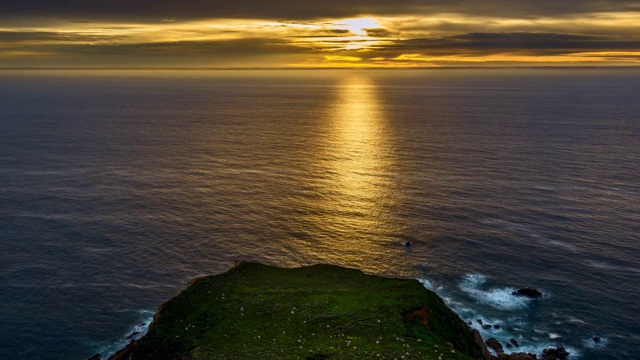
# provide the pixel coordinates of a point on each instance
(255, 311)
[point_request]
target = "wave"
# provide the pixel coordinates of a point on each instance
(608, 266)
(135, 332)
(499, 298)
(528, 231)
(509, 317)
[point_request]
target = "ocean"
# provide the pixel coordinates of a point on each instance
(118, 187)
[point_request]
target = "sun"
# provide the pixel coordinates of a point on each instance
(357, 26)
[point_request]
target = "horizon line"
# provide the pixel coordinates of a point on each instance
(203, 68)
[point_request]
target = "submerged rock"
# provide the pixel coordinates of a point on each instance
(528, 292)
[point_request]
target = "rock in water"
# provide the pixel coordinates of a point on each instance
(528, 292)
(495, 345)
(555, 354)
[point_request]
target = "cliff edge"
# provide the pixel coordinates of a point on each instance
(255, 311)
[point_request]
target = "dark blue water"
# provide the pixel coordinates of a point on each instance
(117, 188)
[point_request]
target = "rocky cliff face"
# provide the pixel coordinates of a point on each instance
(255, 311)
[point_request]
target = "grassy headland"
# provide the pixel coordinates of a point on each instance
(255, 311)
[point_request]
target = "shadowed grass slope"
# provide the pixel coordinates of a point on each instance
(255, 311)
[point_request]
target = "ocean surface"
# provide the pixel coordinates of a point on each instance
(118, 187)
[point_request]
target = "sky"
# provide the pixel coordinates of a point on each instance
(313, 34)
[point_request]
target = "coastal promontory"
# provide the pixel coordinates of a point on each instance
(256, 311)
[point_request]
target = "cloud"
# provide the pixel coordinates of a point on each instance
(287, 9)
(378, 32)
(411, 31)
(53, 36)
(341, 58)
(251, 52)
(492, 43)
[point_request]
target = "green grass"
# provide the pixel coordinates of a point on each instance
(255, 311)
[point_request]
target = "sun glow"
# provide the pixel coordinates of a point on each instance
(357, 157)
(438, 39)
(357, 26)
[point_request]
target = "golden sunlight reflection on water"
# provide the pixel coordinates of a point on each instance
(356, 222)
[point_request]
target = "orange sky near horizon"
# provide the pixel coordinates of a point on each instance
(367, 40)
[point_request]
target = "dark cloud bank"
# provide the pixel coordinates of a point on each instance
(83, 10)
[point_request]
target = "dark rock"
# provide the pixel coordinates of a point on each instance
(562, 353)
(125, 353)
(555, 354)
(142, 324)
(509, 346)
(477, 338)
(496, 326)
(596, 339)
(528, 292)
(132, 335)
(487, 326)
(408, 243)
(514, 342)
(470, 323)
(495, 345)
(479, 321)
(95, 357)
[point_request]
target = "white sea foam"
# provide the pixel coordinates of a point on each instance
(538, 348)
(592, 344)
(532, 345)
(512, 326)
(135, 332)
(575, 320)
(427, 283)
(499, 298)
